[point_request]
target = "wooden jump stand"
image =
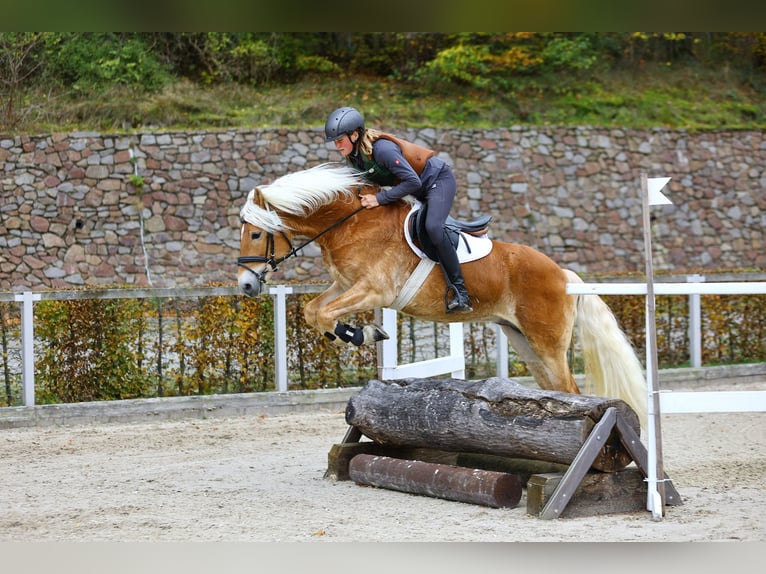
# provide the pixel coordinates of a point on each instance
(595, 480)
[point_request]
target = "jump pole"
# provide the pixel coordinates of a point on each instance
(655, 497)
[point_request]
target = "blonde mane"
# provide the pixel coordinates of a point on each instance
(300, 193)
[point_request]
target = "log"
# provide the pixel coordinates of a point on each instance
(523, 468)
(474, 486)
(340, 456)
(492, 416)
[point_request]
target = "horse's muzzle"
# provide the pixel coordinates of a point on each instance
(250, 282)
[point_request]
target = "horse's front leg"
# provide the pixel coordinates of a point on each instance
(311, 309)
(323, 313)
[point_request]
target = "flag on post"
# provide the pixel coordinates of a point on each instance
(654, 185)
(655, 500)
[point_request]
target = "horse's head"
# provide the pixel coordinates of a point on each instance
(264, 244)
(266, 238)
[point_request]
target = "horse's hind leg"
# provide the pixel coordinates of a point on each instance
(550, 368)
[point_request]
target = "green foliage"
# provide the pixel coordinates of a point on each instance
(137, 181)
(316, 362)
(732, 327)
(88, 350)
(316, 64)
(493, 63)
(89, 61)
(242, 58)
(58, 81)
(468, 65)
(106, 349)
(20, 60)
(217, 348)
(567, 52)
(9, 328)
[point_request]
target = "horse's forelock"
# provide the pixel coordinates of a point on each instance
(304, 191)
(256, 215)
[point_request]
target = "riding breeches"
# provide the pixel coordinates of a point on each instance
(439, 198)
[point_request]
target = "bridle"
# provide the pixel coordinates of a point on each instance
(269, 257)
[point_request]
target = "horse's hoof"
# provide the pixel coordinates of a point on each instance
(373, 334)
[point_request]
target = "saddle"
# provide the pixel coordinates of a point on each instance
(454, 228)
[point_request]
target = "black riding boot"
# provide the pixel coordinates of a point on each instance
(456, 299)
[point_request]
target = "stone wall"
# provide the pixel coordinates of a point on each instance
(70, 216)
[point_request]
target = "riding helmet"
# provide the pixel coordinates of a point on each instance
(343, 121)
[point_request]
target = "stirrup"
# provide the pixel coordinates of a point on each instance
(458, 304)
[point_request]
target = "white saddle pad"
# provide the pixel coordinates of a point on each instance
(470, 247)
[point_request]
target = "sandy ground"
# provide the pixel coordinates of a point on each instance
(260, 478)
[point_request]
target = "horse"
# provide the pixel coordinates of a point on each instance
(371, 262)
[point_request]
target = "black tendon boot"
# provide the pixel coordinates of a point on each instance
(456, 299)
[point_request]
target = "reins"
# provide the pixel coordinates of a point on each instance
(273, 261)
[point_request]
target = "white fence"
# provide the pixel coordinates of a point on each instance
(691, 401)
(453, 363)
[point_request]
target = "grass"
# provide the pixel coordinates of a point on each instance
(681, 98)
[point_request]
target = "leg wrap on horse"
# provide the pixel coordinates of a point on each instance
(349, 334)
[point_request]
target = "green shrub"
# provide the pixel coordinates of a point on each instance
(90, 61)
(88, 350)
(10, 322)
(105, 349)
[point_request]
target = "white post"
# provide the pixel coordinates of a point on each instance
(456, 350)
(28, 345)
(655, 496)
(280, 329)
(388, 355)
(695, 323)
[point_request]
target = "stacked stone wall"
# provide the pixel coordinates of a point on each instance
(71, 216)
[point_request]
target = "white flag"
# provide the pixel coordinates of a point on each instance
(654, 185)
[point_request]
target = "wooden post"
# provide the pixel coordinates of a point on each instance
(656, 488)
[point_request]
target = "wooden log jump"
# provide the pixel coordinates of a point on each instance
(475, 486)
(429, 436)
(492, 416)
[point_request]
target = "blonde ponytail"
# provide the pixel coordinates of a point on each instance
(365, 146)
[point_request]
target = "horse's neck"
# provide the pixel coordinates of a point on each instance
(340, 223)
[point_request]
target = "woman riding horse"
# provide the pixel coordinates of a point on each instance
(409, 169)
(515, 286)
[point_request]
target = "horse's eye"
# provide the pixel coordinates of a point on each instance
(255, 235)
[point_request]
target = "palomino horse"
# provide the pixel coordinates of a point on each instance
(365, 251)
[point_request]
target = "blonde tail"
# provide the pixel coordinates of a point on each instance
(612, 368)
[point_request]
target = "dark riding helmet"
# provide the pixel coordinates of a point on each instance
(343, 121)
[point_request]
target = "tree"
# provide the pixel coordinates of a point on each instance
(19, 60)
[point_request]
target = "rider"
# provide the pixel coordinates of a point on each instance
(411, 170)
